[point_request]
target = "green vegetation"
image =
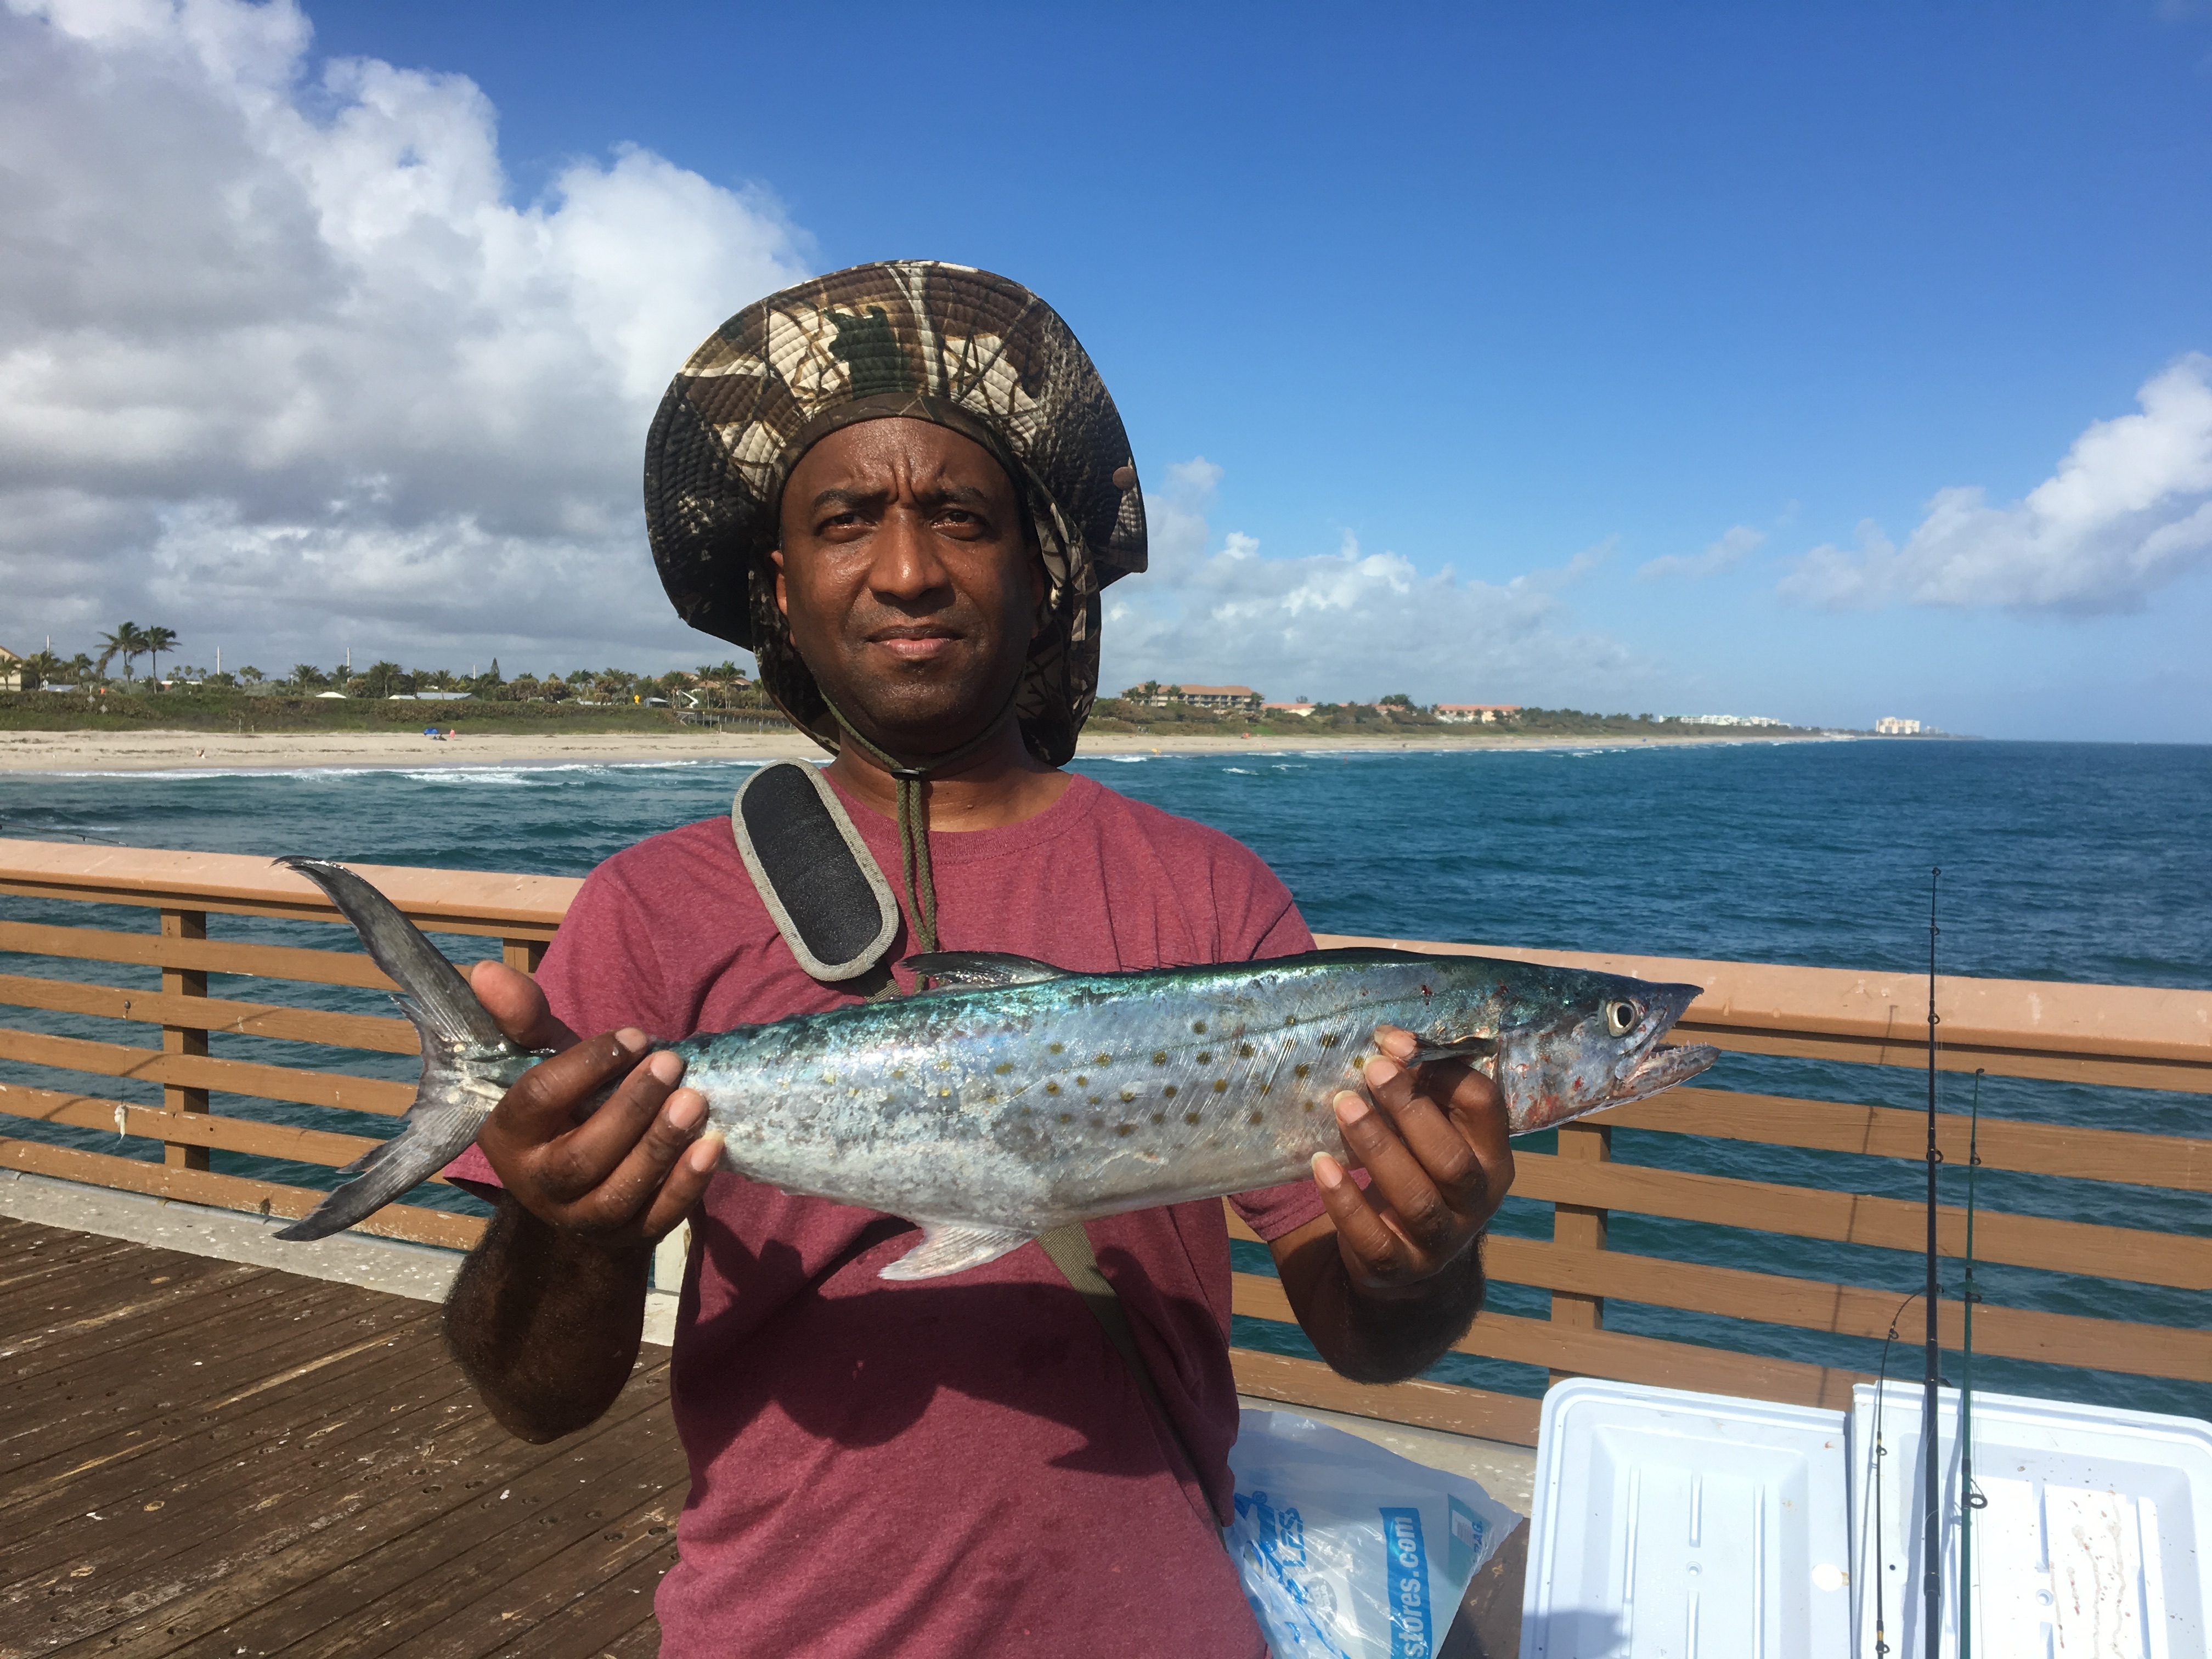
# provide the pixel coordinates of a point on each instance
(1396, 716)
(76, 694)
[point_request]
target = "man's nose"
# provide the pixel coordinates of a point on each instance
(907, 566)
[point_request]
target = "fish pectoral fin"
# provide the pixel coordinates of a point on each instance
(984, 968)
(951, 1247)
(1479, 1048)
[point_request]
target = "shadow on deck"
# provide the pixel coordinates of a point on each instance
(203, 1457)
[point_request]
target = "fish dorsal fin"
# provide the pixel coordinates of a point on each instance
(982, 968)
(949, 1247)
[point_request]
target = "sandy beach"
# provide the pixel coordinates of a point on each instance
(167, 751)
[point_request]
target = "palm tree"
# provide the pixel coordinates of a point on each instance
(252, 675)
(39, 668)
(155, 641)
(127, 642)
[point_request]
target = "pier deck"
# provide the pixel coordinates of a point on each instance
(205, 1457)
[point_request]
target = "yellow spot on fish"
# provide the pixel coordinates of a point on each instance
(829, 1078)
(1311, 1104)
(1056, 1048)
(1198, 1026)
(1068, 1117)
(1104, 1060)
(1083, 1083)
(1303, 1071)
(1330, 1039)
(1190, 1117)
(1052, 1088)
(1205, 1056)
(1159, 1117)
(1160, 1057)
(1125, 1129)
(1129, 1094)
(1359, 1063)
(1245, 1049)
(1003, 1067)
(1221, 1086)
(944, 1094)
(1257, 1118)
(1169, 1091)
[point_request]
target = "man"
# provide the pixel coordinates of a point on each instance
(902, 486)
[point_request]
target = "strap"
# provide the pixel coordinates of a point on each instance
(1069, 1249)
(813, 871)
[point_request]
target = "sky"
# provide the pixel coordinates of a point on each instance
(1823, 361)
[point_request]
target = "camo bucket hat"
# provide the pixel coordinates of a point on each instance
(961, 347)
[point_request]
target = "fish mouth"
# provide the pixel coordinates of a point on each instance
(1663, 1068)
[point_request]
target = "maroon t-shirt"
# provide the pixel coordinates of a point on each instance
(958, 1466)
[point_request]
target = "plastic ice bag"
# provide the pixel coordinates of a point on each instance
(1348, 1551)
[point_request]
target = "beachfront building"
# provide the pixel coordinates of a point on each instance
(11, 671)
(1303, 710)
(1891, 725)
(1468, 714)
(1152, 694)
(1727, 719)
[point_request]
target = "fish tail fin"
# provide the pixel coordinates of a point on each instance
(467, 1061)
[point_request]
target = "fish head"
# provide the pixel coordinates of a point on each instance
(1603, 1049)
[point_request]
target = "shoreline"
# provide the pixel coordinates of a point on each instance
(63, 753)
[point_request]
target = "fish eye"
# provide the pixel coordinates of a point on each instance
(1621, 1018)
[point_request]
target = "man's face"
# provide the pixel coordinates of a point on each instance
(909, 580)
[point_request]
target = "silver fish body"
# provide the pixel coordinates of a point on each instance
(1020, 1098)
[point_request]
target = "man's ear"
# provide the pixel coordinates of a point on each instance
(775, 557)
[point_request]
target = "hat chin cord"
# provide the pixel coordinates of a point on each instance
(913, 807)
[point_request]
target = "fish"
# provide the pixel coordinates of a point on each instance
(1016, 1097)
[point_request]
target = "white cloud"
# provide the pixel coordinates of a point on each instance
(2128, 510)
(1349, 623)
(282, 365)
(1740, 542)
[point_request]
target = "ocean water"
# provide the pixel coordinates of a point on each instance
(2059, 862)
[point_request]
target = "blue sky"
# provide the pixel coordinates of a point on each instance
(1540, 295)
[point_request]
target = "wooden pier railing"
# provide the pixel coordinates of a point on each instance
(175, 919)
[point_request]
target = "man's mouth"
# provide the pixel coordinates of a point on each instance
(914, 642)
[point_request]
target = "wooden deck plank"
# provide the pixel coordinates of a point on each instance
(624, 1484)
(165, 1455)
(209, 1325)
(320, 1482)
(68, 1277)
(290, 1553)
(52, 1422)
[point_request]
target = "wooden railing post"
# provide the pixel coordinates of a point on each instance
(523, 955)
(1580, 1227)
(184, 1039)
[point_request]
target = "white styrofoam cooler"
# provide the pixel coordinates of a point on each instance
(1684, 1524)
(1670, 1525)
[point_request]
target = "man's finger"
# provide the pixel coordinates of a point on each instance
(1359, 1228)
(686, 1182)
(542, 1105)
(591, 1151)
(516, 1002)
(1428, 1130)
(1478, 1113)
(628, 1190)
(1396, 1176)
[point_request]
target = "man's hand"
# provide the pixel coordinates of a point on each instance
(1389, 1277)
(548, 1310)
(1438, 1163)
(619, 1176)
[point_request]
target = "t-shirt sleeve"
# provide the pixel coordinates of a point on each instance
(599, 975)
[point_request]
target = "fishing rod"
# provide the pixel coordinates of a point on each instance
(1932, 1517)
(1970, 1498)
(1882, 1451)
